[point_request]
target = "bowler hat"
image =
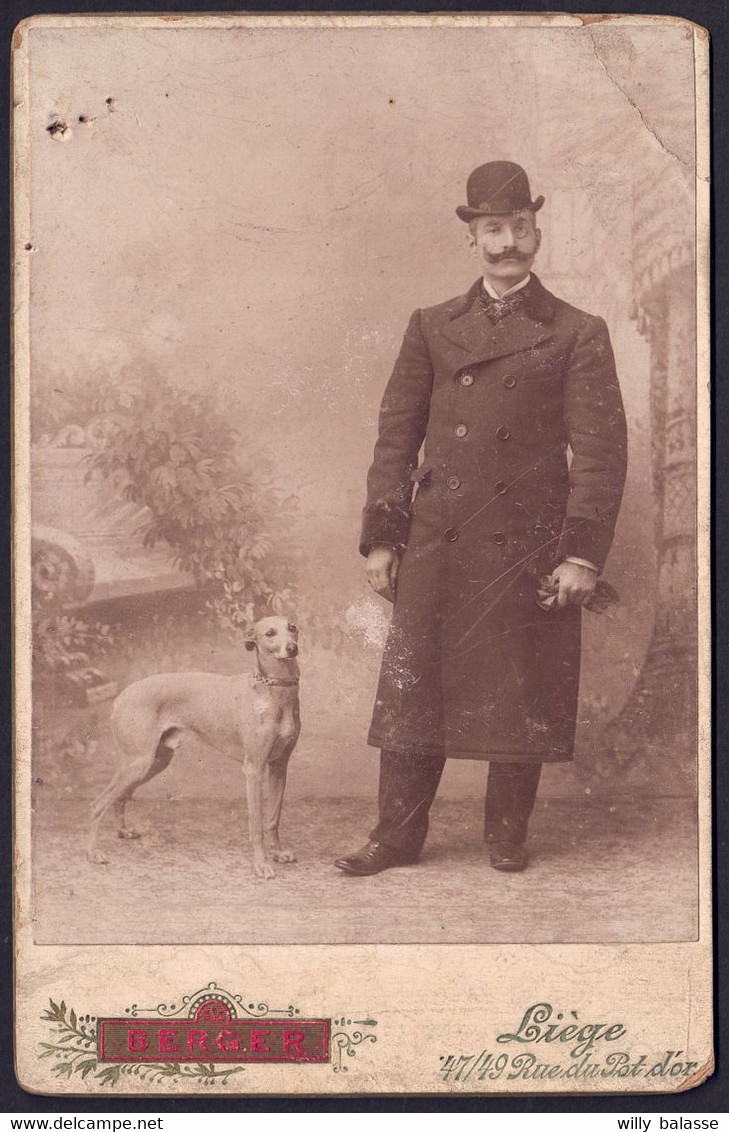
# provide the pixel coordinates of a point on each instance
(499, 187)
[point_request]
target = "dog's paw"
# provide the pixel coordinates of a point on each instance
(97, 857)
(285, 856)
(129, 834)
(264, 870)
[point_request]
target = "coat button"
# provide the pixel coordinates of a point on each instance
(450, 534)
(467, 379)
(508, 381)
(500, 487)
(499, 538)
(461, 430)
(453, 482)
(503, 433)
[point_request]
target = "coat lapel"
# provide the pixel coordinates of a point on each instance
(471, 330)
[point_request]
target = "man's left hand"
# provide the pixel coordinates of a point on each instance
(575, 582)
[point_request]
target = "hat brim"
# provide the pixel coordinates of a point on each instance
(463, 212)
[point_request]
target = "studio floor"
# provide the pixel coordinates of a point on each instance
(604, 870)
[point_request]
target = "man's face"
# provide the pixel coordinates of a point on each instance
(505, 246)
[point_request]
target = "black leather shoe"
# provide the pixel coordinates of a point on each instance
(373, 858)
(507, 858)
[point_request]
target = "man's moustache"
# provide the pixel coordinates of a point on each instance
(507, 255)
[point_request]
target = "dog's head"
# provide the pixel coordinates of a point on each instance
(273, 636)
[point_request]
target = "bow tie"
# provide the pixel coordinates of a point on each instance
(497, 309)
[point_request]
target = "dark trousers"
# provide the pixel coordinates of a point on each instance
(408, 784)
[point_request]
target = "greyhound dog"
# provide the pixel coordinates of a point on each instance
(253, 717)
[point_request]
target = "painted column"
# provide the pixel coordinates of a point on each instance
(659, 719)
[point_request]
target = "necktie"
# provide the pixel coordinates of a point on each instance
(497, 309)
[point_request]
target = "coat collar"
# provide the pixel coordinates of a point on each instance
(469, 328)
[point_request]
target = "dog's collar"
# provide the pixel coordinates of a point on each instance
(272, 682)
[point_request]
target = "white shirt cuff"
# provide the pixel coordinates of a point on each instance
(583, 562)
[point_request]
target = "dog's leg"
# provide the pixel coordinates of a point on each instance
(116, 795)
(276, 786)
(166, 748)
(253, 770)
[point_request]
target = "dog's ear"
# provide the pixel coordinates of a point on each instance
(249, 639)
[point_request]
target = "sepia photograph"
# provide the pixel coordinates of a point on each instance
(360, 548)
(210, 383)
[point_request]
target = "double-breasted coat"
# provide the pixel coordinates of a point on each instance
(523, 465)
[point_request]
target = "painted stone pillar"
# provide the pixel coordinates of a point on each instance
(657, 726)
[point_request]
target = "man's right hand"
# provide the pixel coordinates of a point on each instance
(383, 564)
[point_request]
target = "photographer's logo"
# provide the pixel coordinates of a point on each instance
(213, 1034)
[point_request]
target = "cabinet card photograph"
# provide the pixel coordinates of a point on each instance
(361, 536)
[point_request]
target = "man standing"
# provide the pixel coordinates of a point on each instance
(500, 383)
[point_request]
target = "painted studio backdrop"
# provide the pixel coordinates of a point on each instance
(230, 231)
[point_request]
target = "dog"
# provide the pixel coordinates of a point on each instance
(253, 717)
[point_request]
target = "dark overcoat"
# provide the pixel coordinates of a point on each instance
(523, 465)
